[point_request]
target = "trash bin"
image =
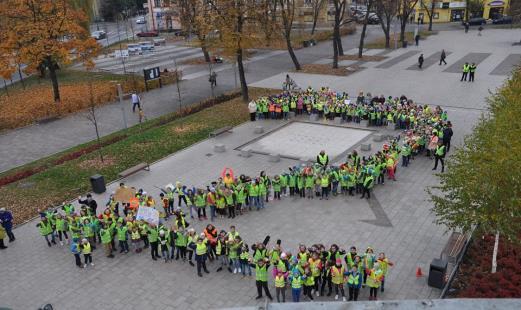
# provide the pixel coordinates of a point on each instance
(404, 45)
(98, 184)
(437, 272)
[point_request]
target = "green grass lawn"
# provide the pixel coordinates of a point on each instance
(148, 142)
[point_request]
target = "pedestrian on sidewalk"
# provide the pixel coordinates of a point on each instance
(466, 69)
(136, 102)
(6, 219)
(417, 39)
(479, 30)
(252, 108)
(442, 57)
(76, 251)
(472, 71)
(213, 79)
(420, 61)
(467, 26)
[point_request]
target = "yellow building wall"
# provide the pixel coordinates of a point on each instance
(502, 9)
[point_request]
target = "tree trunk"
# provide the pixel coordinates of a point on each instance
(388, 34)
(242, 77)
(54, 80)
(93, 112)
(339, 45)
(402, 31)
(291, 52)
(314, 24)
(335, 50)
(206, 54)
(362, 36)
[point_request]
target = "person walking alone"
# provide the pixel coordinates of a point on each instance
(472, 71)
(136, 102)
(420, 61)
(6, 220)
(466, 69)
(442, 57)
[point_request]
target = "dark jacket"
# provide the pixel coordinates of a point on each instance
(447, 134)
(93, 205)
(7, 220)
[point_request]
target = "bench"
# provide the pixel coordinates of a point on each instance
(219, 131)
(132, 170)
(454, 246)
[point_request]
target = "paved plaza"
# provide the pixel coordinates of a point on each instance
(396, 220)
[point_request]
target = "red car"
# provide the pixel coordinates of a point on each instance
(148, 34)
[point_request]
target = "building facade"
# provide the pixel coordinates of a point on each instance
(163, 15)
(456, 10)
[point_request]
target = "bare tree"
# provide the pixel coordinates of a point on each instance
(195, 19)
(91, 116)
(429, 8)
(287, 12)
(340, 9)
(316, 6)
(405, 8)
(386, 12)
(364, 28)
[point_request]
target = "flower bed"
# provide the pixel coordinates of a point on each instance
(474, 278)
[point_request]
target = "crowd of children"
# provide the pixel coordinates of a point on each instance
(308, 272)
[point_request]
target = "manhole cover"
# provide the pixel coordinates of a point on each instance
(209, 154)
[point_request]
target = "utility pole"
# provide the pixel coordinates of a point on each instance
(120, 48)
(177, 84)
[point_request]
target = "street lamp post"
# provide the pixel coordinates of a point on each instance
(120, 48)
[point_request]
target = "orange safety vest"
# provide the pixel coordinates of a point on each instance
(271, 107)
(278, 109)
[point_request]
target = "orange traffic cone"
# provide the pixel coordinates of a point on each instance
(419, 272)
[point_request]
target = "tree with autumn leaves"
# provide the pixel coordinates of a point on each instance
(43, 35)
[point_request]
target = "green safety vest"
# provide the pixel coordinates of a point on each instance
(261, 273)
(152, 234)
(45, 228)
(466, 68)
(122, 233)
(440, 150)
(324, 181)
(88, 231)
(60, 224)
(87, 248)
(472, 68)
(200, 248)
(353, 280)
(106, 236)
(200, 201)
(280, 281)
(296, 282)
(181, 240)
(322, 159)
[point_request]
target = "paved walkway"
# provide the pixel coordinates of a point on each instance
(24, 145)
(397, 220)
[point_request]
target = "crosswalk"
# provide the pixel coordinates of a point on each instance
(162, 57)
(488, 62)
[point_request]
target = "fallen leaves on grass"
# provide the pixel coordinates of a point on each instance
(96, 163)
(364, 57)
(328, 69)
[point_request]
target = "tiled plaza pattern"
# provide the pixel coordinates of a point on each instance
(397, 220)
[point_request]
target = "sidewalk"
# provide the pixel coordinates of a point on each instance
(27, 144)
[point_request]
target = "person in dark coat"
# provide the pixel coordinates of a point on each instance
(447, 136)
(6, 219)
(442, 57)
(420, 61)
(91, 203)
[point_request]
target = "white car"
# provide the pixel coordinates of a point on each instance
(141, 20)
(98, 35)
(146, 46)
(134, 49)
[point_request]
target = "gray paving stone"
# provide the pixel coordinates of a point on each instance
(397, 59)
(507, 65)
(429, 61)
(476, 58)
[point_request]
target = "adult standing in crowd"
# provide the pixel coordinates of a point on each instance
(447, 136)
(252, 108)
(91, 203)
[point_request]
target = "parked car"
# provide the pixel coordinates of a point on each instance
(476, 21)
(502, 20)
(98, 35)
(134, 48)
(148, 34)
(141, 20)
(146, 46)
(373, 19)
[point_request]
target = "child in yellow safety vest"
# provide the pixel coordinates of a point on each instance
(384, 266)
(337, 277)
(374, 280)
(86, 249)
(354, 283)
(280, 286)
